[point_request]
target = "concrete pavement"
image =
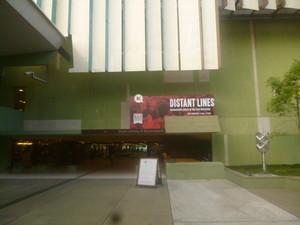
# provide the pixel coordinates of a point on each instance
(215, 202)
(92, 201)
(109, 195)
(105, 196)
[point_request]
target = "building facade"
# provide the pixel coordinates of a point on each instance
(62, 100)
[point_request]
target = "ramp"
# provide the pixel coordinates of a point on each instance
(216, 202)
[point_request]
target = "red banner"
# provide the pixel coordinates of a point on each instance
(148, 112)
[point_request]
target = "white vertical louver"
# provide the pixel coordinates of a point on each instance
(250, 4)
(189, 35)
(210, 30)
(98, 36)
(153, 35)
(134, 35)
(139, 35)
(114, 36)
(46, 7)
(272, 4)
(263, 3)
(229, 4)
(80, 34)
(62, 18)
(294, 4)
(170, 35)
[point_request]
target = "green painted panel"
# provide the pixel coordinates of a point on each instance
(286, 125)
(284, 150)
(277, 46)
(5, 152)
(10, 120)
(192, 124)
(234, 177)
(186, 88)
(239, 125)
(195, 170)
(218, 147)
(233, 83)
(242, 150)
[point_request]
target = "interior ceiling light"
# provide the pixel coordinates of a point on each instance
(24, 143)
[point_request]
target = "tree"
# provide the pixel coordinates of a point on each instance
(286, 94)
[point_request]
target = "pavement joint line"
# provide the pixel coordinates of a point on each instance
(170, 201)
(113, 209)
(46, 189)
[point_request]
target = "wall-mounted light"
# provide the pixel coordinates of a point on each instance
(32, 73)
(29, 73)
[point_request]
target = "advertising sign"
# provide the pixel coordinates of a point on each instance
(148, 112)
(147, 172)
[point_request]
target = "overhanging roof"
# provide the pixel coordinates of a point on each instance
(24, 29)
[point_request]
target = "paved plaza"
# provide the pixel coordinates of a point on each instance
(109, 195)
(216, 202)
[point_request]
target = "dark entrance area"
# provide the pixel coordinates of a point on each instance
(60, 151)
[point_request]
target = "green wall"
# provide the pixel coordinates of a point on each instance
(276, 46)
(11, 121)
(5, 153)
(95, 98)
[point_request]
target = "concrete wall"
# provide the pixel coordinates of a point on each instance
(94, 100)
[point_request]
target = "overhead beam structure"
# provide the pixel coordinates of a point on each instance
(129, 35)
(234, 5)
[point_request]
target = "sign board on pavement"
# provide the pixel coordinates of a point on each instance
(147, 172)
